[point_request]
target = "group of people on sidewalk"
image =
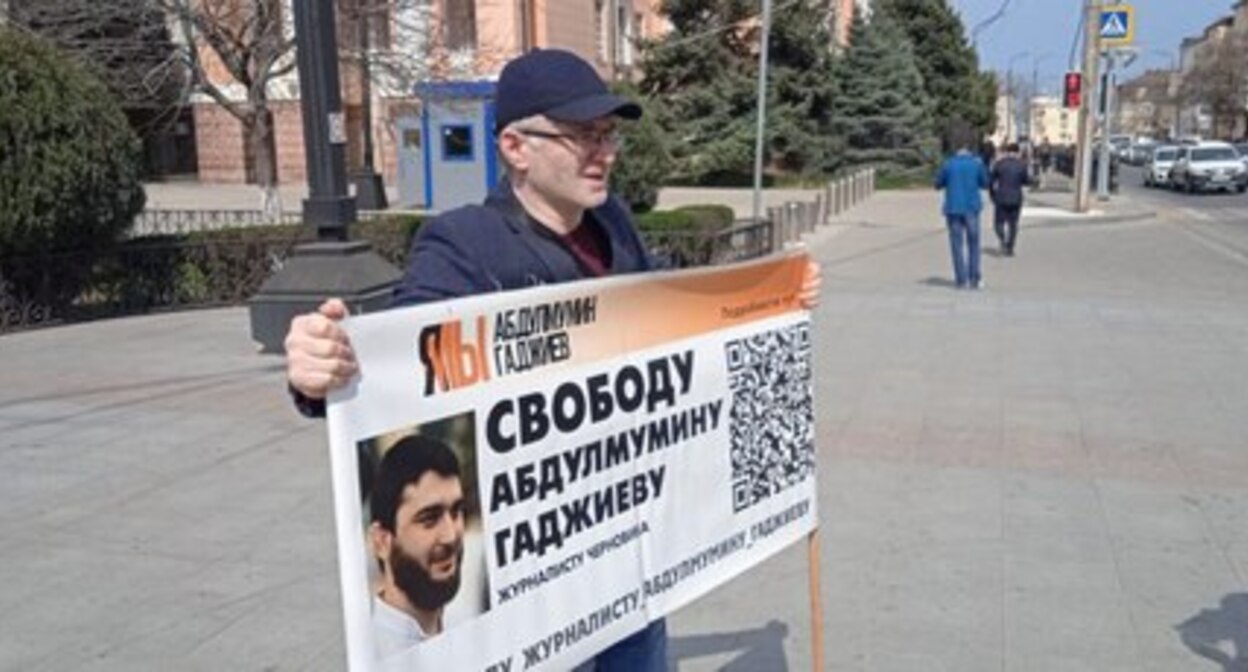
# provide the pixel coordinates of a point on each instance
(962, 176)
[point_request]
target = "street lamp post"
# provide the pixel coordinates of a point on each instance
(328, 207)
(1011, 105)
(333, 266)
(760, 133)
(370, 190)
(992, 18)
(1035, 90)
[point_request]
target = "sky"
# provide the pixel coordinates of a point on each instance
(1037, 34)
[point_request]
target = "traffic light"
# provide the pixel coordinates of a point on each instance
(1073, 96)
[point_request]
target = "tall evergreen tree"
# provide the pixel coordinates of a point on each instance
(802, 91)
(698, 72)
(961, 95)
(883, 112)
(704, 73)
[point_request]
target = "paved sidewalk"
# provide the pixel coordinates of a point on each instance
(740, 200)
(1048, 475)
(195, 195)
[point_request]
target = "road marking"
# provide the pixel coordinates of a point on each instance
(1233, 215)
(1216, 243)
(1197, 214)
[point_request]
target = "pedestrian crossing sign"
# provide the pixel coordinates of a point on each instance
(1117, 25)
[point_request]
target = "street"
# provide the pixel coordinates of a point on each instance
(1220, 219)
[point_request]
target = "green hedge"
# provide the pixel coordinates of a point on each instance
(69, 165)
(227, 266)
(709, 218)
(690, 218)
(664, 220)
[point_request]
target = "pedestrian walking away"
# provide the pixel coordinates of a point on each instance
(550, 220)
(1008, 178)
(962, 176)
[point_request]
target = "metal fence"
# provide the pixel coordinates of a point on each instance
(794, 219)
(745, 239)
(167, 222)
(177, 222)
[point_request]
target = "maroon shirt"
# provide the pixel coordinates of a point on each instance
(587, 245)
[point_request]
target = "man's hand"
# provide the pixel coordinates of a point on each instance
(318, 355)
(808, 295)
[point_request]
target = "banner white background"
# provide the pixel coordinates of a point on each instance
(718, 472)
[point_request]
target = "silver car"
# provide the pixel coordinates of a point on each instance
(1210, 166)
(1157, 169)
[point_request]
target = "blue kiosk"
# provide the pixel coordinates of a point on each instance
(448, 158)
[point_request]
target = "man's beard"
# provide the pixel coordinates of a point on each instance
(421, 589)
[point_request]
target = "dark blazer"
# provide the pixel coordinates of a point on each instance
(494, 247)
(497, 246)
(1009, 176)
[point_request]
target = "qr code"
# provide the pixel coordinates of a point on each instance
(771, 424)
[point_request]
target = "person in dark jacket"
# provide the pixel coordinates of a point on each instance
(551, 220)
(962, 177)
(1009, 177)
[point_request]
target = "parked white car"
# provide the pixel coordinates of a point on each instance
(1210, 166)
(1157, 169)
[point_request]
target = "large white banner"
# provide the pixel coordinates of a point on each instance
(523, 478)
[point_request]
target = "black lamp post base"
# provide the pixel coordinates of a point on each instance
(330, 215)
(314, 272)
(370, 191)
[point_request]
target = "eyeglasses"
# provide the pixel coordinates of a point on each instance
(587, 139)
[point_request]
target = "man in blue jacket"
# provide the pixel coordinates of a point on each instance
(962, 176)
(551, 220)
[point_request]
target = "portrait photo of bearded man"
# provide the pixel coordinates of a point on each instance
(416, 534)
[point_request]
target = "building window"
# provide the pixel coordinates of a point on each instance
(379, 35)
(376, 14)
(411, 139)
(457, 142)
(528, 39)
(461, 24)
(624, 35)
(602, 35)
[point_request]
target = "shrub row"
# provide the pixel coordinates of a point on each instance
(226, 266)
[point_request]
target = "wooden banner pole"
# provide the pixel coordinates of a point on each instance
(816, 602)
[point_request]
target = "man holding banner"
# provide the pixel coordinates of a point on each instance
(551, 220)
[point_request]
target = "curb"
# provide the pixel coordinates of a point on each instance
(1098, 220)
(1104, 218)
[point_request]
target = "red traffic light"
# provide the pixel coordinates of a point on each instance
(1073, 88)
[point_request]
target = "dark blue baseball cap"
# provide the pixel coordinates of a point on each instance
(558, 84)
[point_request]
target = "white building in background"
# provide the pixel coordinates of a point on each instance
(1044, 121)
(1052, 123)
(1007, 129)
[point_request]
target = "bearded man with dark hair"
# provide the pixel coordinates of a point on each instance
(417, 536)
